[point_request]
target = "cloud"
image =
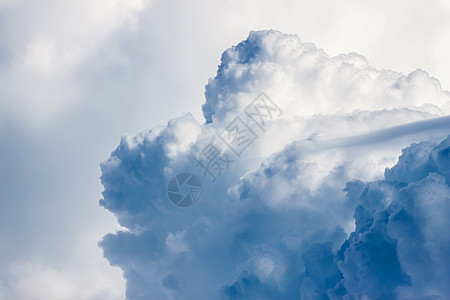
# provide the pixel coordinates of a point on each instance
(34, 279)
(278, 223)
(397, 249)
(133, 73)
(38, 77)
(298, 73)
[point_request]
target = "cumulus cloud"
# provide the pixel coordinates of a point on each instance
(288, 219)
(309, 82)
(398, 249)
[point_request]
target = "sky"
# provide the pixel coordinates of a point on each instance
(77, 76)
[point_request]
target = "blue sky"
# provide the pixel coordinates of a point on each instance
(76, 76)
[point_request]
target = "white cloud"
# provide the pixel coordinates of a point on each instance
(39, 79)
(86, 276)
(32, 280)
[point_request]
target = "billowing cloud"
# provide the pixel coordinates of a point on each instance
(308, 82)
(278, 221)
(398, 249)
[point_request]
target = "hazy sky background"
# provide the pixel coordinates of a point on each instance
(76, 75)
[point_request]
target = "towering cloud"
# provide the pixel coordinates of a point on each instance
(291, 215)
